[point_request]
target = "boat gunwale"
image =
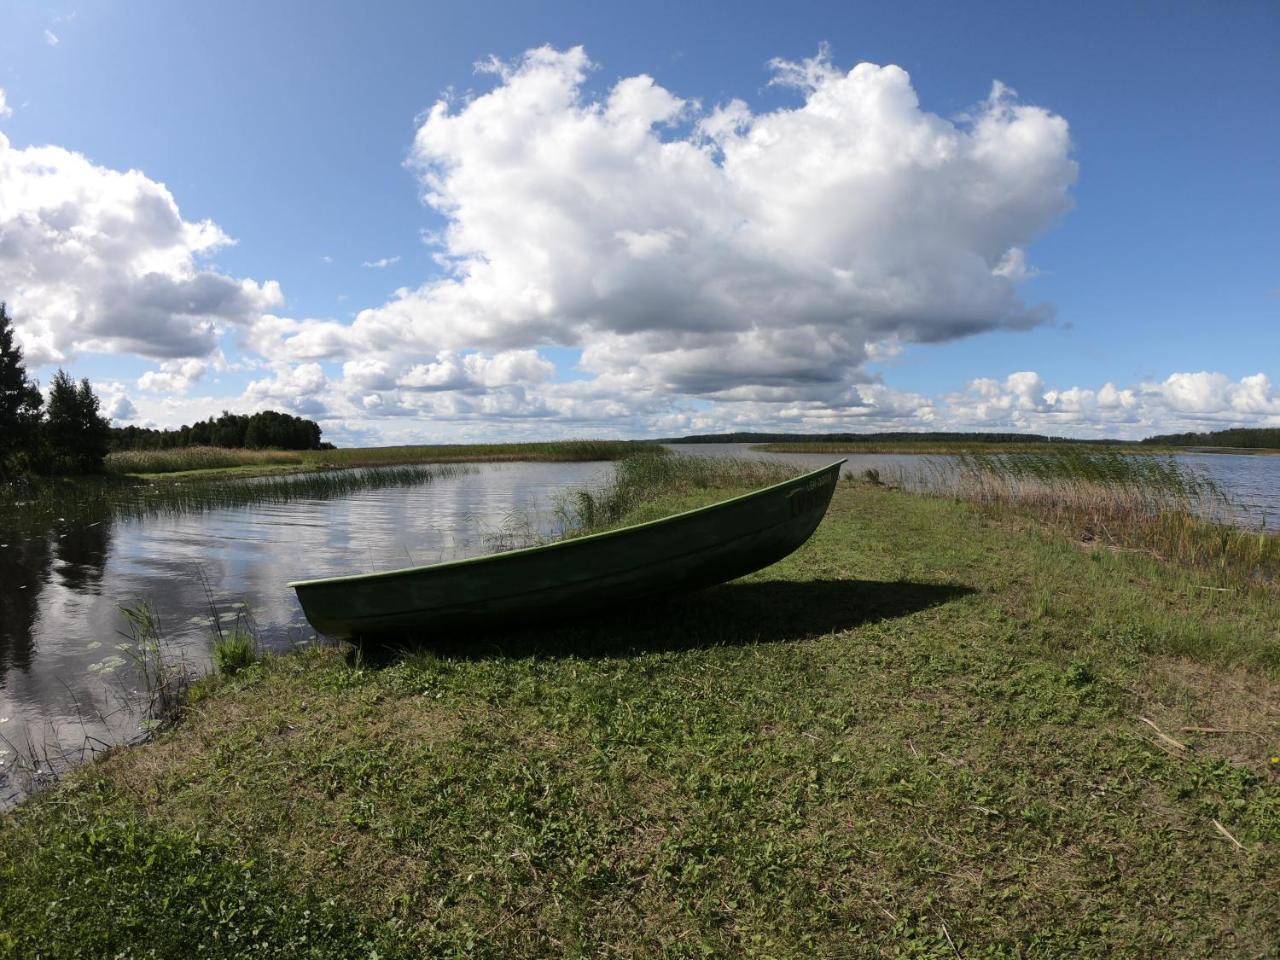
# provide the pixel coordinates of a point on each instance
(572, 541)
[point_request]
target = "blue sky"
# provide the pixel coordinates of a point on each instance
(289, 127)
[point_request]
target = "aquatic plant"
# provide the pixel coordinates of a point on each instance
(647, 478)
(184, 459)
(194, 458)
(558, 451)
(1152, 503)
(235, 652)
(42, 502)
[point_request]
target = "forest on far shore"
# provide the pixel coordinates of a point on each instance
(1249, 438)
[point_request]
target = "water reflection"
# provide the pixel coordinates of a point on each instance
(24, 568)
(62, 676)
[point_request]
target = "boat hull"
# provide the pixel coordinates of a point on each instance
(684, 552)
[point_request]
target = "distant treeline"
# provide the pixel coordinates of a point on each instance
(899, 437)
(1259, 438)
(268, 429)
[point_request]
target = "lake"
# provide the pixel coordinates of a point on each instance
(66, 688)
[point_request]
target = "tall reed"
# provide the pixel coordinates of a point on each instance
(647, 478)
(40, 502)
(1156, 504)
(558, 451)
(195, 458)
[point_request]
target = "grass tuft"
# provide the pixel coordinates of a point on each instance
(234, 652)
(647, 479)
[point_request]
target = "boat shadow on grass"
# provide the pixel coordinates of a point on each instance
(735, 614)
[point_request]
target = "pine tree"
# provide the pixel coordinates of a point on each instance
(20, 401)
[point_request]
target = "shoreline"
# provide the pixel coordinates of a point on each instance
(956, 449)
(927, 691)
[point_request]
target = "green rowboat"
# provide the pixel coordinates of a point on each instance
(688, 551)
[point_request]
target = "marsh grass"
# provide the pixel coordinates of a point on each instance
(188, 459)
(646, 479)
(958, 447)
(559, 451)
(39, 502)
(1150, 503)
(195, 458)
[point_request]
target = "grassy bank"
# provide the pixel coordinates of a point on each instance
(933, 732)
(1111, 499)
(193, 459)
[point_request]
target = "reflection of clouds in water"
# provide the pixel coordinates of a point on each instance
(59, 678)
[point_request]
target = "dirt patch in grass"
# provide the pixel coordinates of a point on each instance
(1229, 713)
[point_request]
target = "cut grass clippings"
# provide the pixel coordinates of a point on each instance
(931, 732)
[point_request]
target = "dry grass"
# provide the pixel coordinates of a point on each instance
(1153, 504)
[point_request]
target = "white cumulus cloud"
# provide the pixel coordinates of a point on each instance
(97, 259)
(714, 253)
(174, 376)
(1181, 402)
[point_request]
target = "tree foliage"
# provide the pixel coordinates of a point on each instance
(267, 429)
(20, 399)
(76, 435)
(1247, 438)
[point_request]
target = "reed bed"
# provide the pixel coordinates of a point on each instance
(195, 458)
(42, 502)
(959, 447)
(123, 462)
(648, 478)
(562, 451)
(1155, 504)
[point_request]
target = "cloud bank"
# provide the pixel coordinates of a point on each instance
(713, 253)
(713, 268)
(93, 259)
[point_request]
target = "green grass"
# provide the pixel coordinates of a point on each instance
(652, 484)
(234, 652)
(922, 735)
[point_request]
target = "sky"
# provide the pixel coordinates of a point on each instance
(439, 222)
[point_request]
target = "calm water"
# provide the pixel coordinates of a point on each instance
(63, 682)
(62, 678)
